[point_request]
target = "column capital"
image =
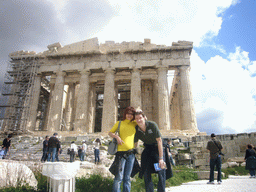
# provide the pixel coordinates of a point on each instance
(109, 70)
(184, 68)
(134, 69)
(84, 72)
(162, 68)
(60, 73)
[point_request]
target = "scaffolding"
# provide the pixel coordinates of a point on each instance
(18, 93)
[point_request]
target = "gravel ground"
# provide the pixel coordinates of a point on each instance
(233, 184)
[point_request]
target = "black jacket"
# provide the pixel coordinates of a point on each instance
(150, 156)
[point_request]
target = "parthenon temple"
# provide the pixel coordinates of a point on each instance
(84, 87)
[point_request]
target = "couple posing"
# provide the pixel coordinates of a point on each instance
(125, 164)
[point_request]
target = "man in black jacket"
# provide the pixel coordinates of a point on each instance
(52, 145)
(6, 145)
(45, 149)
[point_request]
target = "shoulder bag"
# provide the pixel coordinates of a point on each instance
(112, 147)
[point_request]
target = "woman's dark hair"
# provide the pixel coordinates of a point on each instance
(249, 146)
(127, 110)
(98, 141)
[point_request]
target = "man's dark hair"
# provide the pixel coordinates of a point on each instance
(249, 146)
(140, 113)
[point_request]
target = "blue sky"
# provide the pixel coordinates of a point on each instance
(223, 62)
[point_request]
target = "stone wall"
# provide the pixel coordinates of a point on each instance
(234, 145)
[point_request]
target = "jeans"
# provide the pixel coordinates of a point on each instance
(252, 172)
(5, 151)
(57, 157)
(44, 157)
(72, 156)
(215, 162)
(97, 155)
(149, 186)
(52, 154)
(124, 174)
(81, 157)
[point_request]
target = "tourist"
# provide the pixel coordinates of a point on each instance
(169, 143)
(125, 152)
(84, 149)
(79, 151)
(6, 146)
(59, 151)
(52, 145)
(73, 151)
(45, 149)
(250, 160)
(215, 147)
(97, 145)
(153, 154)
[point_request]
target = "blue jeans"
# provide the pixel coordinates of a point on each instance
(97, 155)
(52, 154)
(124, 174)
(149, 186)
(81, 157)
(215, 162)
(5, 151)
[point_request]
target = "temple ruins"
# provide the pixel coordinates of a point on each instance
(84, 87)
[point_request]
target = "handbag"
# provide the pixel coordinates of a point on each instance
(112, 147)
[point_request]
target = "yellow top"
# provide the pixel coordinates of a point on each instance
(127, 132)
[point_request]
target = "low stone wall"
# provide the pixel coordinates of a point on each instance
(234, 146)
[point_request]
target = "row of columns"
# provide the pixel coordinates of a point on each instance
(110, 102)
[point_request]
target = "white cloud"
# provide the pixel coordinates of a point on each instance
(165, 21)
(224, 85)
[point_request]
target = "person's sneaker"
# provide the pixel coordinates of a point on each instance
(210, 182)
(219, 182)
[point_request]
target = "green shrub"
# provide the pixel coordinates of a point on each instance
(25, 188)
(95, 183)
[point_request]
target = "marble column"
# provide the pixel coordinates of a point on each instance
(92, 108)
(187, 111)
(136, 89)
(109, 103)
(163, 99)
(82, 102)
(31, 124)
(56, 103)
(69, 106)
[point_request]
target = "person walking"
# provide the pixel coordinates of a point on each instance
(45, 149)
(59, 151)
(215, 147)
(52, 145)
(125, 155)
(169, 144)
(6, 146)
(73, 151)
(154, 158)
(250, 160)
(97, 145)
(84, 149)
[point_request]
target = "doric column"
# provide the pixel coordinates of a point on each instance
(69, 106)
(109, 103)
(187, 111)
(136, 88)
(82, 102)
(92, 108)
(34, 103)
(56, 103)
(163, 99)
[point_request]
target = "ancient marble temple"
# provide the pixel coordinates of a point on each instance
(84, 87)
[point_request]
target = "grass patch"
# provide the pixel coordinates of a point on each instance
(95, 183)
(235, 171)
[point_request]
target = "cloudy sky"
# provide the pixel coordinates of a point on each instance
(223, 62)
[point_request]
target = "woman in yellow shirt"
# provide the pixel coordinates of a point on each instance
(125, 152)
